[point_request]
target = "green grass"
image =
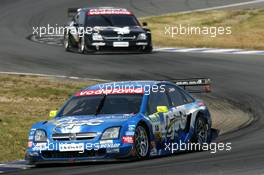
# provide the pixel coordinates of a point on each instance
(25, 100)
(247, 29)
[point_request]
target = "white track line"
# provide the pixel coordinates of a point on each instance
(224, 6)
(220, 50)
(56, 76)
(19, 166)
(212, 50)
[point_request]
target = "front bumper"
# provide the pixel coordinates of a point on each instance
(114, 45)
(51, 152)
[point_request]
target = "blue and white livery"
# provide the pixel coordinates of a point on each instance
(122, 120)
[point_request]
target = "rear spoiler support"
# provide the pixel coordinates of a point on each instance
(194, 85)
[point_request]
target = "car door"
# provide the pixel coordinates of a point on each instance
(157, 119)
(176, 119)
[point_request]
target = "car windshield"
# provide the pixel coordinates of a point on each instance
(103, 104)
(111, 20)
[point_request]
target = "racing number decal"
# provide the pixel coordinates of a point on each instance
(167, 125)
(174, 121)
(156, 126)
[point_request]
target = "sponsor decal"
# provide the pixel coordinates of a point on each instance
(128, 139)
(130, 133)
(30, 144)
(110, 91)
(110, 145)
(108, 12)
(32, 132)
(113, 150)
(153, 151)
(64, 147)
(39, 146)
(122, 31)
(106, 141)
(72, 146)
(131, 127)
(74, 125)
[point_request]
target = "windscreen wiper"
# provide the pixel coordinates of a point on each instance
(100, 106)
(108, 20)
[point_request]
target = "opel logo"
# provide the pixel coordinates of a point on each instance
(120, 38)
(72, 136)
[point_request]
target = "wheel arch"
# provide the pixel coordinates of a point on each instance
(148, 128)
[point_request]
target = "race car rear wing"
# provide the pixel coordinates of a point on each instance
(194, 85)
(72, 12)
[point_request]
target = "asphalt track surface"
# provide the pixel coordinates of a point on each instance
(239, 79)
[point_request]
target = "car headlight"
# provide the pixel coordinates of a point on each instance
(40, 136)
(142, 36)
(111, 133)
(97, 37)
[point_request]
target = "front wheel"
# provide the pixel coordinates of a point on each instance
(147, 49)
(66, 43)
(141, 142)
(82, 47)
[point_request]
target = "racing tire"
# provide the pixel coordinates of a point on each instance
(83, 49)
(81, 46)
(66, 43)
(147, 49)
(142, 143)
(201, 133)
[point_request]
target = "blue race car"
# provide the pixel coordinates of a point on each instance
(122, 120)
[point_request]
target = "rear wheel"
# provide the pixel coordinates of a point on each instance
(201, 131)
(141, 142)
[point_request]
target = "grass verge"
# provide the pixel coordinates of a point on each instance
(25, 100)
(247, 29)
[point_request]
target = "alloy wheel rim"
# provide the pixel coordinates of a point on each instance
(66, 42)
(82, 44)
(202, 131)
(141, 141)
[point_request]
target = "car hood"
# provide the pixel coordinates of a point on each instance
(76, 124)
(120, 30)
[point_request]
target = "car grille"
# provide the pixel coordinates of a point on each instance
(73, 154)
(119, 38)
(74, 136)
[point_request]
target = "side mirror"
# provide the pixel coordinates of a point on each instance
(53, 113)
(162, 109)
(75, 25)
(145, 24)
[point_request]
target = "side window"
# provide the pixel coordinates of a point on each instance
(76, 18)
(157, 99)
(81, 18)
(188, 97)
(175, 95)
